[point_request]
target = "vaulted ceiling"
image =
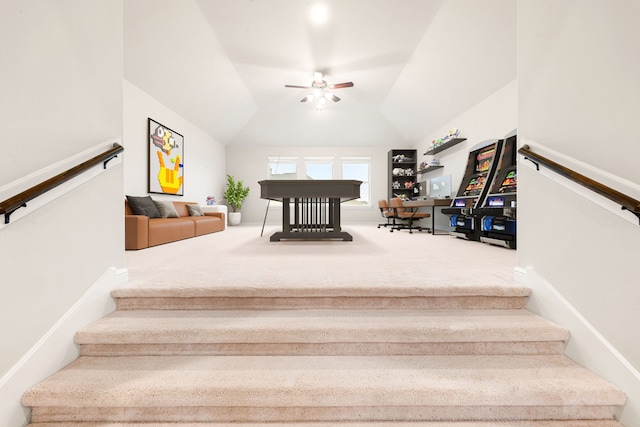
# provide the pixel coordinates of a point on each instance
(415, 64)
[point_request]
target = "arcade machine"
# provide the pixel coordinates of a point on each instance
(498, 212)
(479, 173)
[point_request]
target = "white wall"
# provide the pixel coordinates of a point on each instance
(60, 69)
(579, 94)
(61, 95)
(250, 165)
(171, 51)
(204, 157)
(467, 53)
(580, 60)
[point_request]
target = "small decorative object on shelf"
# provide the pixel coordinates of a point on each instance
(428, 167)
(402, 172)
(441, 144)
(401, 158)
(453, 133)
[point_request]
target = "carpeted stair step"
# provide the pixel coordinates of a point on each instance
(172, 296)
(322, 388)
(592, 423)
(318, 332)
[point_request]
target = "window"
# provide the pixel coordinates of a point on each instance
(358, 168)
(282, 167)
(319, 167)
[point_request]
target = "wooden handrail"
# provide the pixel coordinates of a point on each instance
(18, 201)
(627, 202)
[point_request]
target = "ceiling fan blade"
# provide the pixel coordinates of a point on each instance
(341, 85)
(305, 99)
(298, 87)
(334, 98)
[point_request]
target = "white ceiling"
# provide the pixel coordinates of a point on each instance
(223, 64)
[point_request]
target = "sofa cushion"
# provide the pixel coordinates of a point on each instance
(165, 230)
(143, 206)
(207, 224)
(166, 208)
(194, 210)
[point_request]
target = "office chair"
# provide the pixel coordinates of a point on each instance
(387, 213)
(410, 214)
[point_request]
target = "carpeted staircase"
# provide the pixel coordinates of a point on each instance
(315, 357)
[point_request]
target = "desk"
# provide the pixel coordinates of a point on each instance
(432, 203)
(316, 206)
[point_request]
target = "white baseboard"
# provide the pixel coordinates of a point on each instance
(56, 348)
(586, 346)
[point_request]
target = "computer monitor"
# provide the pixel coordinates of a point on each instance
(422, 187)
(440, 187)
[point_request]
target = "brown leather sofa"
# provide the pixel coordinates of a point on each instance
(142, 232)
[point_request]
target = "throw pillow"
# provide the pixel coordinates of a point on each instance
(194, 210)
(166, 208)
(143, 206)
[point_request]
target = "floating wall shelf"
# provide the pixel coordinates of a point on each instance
(448, 144)
(429, 169)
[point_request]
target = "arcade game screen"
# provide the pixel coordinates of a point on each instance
(475, 185)
(484, 157)
(495, 201)
(509, 183)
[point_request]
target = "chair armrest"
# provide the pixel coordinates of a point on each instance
(219, 214)
(412, 211)
(136, 232)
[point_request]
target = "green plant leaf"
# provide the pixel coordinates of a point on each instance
(235, 193)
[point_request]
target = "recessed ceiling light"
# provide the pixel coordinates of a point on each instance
(319, 13)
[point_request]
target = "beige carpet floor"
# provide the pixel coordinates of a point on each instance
(239, 256)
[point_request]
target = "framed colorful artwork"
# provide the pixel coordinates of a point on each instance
(166, 160)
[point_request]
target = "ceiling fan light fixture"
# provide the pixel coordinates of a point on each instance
(321, 91)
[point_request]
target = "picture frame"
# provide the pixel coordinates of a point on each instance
(166, 159)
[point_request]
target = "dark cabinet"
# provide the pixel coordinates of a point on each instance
(402, 173)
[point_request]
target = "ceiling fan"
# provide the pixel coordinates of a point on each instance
(321, 90)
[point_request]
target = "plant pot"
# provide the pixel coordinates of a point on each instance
(234, 218)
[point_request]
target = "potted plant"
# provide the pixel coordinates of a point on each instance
(235, 194)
